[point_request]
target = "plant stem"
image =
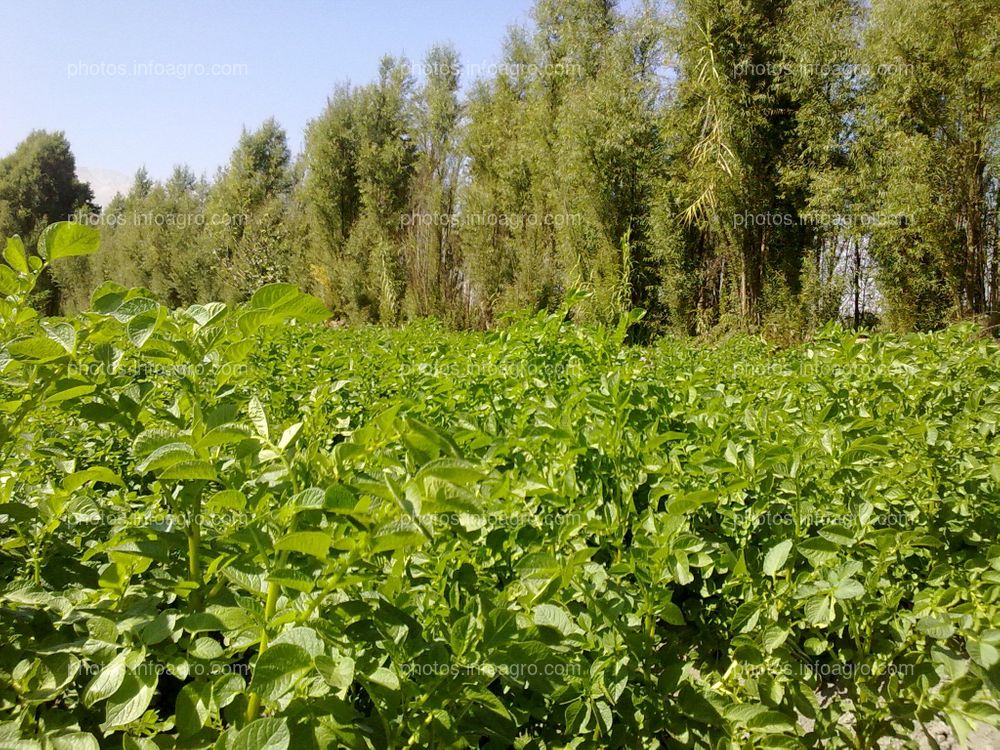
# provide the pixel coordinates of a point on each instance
(270, 605)
(194, 560)
(273, 589)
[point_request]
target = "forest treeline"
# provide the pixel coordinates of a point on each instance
(724, 164)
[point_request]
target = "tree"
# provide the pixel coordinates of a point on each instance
(759, 126)
(38, 186)
(564, 148)
(247, 207)
(330, 193)
(154, 237)
(500, 243)
(431, 249)
(822, 71)
(360, 159)
(931, 107)
(609, 155)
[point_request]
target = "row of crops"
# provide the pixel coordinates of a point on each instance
(233, 527)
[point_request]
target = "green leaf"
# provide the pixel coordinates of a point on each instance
(262, 734)
(774, 637)
(392, 541)
(605, 715)
(671, 614)
(769, 722)
(776, 557)
(15, 254)
(817, 610)
(384, 678)
(746, 616)
(311, 498)
(217, 619)
(464, 634)
(289, 435)
(75, 741)
(35, 349)
(106, 682)
(227, 500)
(149, 440)
(983, 653)
(94, 474)
(849, 589)
(107, 298)
(194, 707)
(337, 671)
(142, 326)
(286, 301)
(691, 501)
(258, 417)
(452, 470)
(307, 638)
(205, 649)
(159, 629)
(982, 711)
(273, 296)
(189, 470)
(837, 534)
(817, 551)
(131, 699)
(62, 333)
(226, 434)
(163, 456)
(314, 543)
(938, 627)
(278, 669)
(742, 713)
(66, 238)
(68, 390)
(226, 688)
(133, 307)
(554, 617)
(10, 286)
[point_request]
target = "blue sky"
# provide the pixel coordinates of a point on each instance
(160, 83)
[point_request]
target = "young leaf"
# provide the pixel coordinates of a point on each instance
(314, 543)
(258, 417)
(131, 699)
(15, 254)
(775, 558)
(262, 734)
(141, 327)
(106, 682)
(66, 238)
(278, 669)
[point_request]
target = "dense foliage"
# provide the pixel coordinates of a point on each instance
(230, 527)
(769, 165)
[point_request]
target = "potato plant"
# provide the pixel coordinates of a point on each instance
(230, 527)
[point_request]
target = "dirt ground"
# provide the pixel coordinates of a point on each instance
(984, 738)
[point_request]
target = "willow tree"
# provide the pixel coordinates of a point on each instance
(505, 255)
(736, 127)
(608, 155)
(155, 236)
(931, 111)
(330, 193)
(430, 244)
(822, 72)
(359, 163)
(247, 209)
(562, 144)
